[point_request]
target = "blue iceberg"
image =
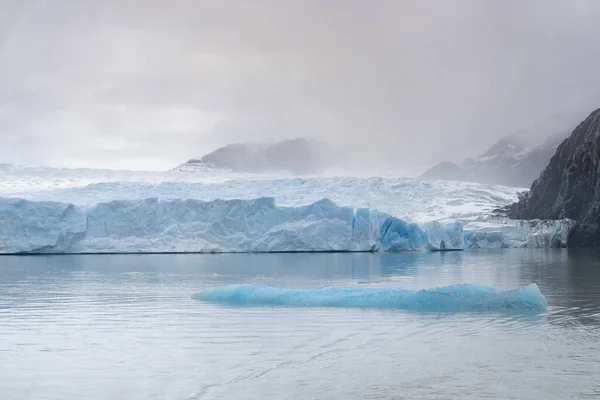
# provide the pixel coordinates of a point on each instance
(465, 297)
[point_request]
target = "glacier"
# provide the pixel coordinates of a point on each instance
(465, 297)
(258, 225)
(489, 231)
(39, 227)
(48, 210)
(404, 198)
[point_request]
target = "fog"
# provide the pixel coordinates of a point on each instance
(397, 85)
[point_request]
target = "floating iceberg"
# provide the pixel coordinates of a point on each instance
(466, 297)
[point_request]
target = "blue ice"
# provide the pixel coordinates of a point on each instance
(465, 297)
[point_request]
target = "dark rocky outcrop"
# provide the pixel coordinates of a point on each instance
(569, 187)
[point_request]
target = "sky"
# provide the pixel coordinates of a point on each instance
(395, 84)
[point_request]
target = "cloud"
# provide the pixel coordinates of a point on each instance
(393, 84)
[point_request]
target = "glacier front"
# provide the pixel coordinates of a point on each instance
(152, 225)
(45, 210)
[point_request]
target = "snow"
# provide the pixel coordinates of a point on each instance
(401, 197)
(60, 210)
(466, 297)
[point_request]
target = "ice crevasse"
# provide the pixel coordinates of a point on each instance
(259, 225)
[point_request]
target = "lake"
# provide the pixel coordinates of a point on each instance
(131, 327)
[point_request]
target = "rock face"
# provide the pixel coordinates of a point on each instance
(512, 161)
(569, 187)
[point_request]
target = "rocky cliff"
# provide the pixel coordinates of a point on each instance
(569, 187)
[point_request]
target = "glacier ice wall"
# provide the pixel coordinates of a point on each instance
(259, 225)
(499, 232)
(153, 225)
(44, 226)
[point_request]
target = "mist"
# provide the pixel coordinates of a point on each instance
(395, 85)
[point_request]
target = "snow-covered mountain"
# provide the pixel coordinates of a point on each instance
(296, 156)
(512, 161)
(515, 160)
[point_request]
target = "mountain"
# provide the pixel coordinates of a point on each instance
(296, 156)
(512, 161)
(569, 187)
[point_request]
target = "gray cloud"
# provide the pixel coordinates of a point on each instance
(402, 84)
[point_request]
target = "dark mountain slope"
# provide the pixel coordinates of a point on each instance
(569, 187)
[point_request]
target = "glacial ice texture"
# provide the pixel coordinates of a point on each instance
(258, 225)
(498, 232)
(466, 297)
(55, 210)
(404, 198)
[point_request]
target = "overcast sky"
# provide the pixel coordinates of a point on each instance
(147, 84)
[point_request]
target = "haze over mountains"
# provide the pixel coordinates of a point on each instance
(511, 161)
(515, 160)
(295, 156)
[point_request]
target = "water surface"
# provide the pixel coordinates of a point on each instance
(130, 327)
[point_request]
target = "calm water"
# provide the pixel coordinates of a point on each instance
(128, 327)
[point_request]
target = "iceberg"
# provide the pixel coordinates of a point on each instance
(465, 297)
(156, 226)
